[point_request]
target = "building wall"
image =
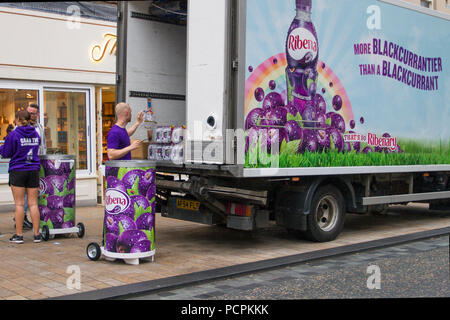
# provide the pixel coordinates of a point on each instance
(438, 5)
(442, 6)
(42, 46)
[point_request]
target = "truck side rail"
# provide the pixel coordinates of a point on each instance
(401, 198)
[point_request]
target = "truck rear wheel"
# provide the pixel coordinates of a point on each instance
(326, 220)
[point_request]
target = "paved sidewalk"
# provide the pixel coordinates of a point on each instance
(37, 271)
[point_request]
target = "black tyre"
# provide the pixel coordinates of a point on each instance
(81, 230)
(326, 220)
(45, 233)
(93, 251)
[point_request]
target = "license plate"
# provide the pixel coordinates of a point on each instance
(188, 205)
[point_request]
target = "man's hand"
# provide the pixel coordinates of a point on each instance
(136, 144)
(140, 117)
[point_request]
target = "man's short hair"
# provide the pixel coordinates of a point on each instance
(34, 105)
(121, 107)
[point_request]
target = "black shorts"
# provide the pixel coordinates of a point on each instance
(24, 179)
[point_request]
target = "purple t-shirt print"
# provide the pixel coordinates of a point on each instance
(118, 139)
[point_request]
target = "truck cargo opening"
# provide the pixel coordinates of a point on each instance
(177, 54)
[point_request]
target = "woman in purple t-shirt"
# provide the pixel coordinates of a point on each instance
(22, 147)
(118, 140)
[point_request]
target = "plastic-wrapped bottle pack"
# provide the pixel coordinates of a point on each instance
(168, 144)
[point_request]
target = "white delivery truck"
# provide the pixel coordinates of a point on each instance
(296, 111)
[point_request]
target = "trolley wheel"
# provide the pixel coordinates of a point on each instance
(93, 251)
(45, 233)
(81, 230)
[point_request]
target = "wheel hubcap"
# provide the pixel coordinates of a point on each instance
(92, 251)
(327, 213)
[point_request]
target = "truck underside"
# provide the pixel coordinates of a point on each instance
(312, 207)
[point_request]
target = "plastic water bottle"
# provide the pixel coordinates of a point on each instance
(148, 117)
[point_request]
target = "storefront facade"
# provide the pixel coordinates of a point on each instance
(67, 66)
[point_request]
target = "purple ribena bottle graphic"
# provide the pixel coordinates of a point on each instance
(302, 53)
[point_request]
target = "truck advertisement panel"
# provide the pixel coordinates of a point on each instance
(345, 83)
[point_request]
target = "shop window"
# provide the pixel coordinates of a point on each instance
(108, 117)
(65, 122)
(12, 100)
(425, 3)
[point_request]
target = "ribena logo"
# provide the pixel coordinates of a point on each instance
(302, 42)
(116, 201)
(382, 142)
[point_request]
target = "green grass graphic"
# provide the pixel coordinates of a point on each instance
(416, 153)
